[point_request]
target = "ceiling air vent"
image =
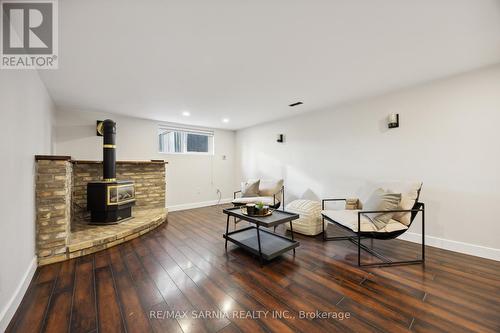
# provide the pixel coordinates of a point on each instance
(295, 104)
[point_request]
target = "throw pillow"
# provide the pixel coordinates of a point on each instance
(250, 188)
(268, 188)
(352, 204)
(409, 195)
(381, 200)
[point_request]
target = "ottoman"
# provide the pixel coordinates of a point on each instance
(309, 222)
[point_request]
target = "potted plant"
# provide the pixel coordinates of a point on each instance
(261, 209)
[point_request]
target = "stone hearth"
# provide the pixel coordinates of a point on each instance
(85, 238)
(62, 231)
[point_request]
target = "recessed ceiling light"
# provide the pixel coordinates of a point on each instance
(225, 120)
(186, 113)
(295, 104)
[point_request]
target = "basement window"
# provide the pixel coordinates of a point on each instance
(185, 140)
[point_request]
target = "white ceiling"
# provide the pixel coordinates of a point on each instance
(247, 60)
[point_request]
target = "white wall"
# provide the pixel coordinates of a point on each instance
(449, 138)
(26, 118)
(191, 179)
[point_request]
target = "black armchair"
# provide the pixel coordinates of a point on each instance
(419, 207)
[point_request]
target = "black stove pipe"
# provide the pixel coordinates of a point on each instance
(109, 150)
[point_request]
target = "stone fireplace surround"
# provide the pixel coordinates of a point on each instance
(62, 229)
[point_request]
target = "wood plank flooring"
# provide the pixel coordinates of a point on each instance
(182, 266)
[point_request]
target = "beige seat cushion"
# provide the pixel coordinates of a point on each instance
(349, 219)
(265, 200)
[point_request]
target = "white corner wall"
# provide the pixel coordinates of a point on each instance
(449, 138)
(192, 180)
(26, 118)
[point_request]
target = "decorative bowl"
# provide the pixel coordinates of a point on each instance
(244, 212)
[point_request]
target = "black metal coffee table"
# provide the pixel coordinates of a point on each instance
(266, 244)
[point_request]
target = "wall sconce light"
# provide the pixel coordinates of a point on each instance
(393, 120)
(280, 138)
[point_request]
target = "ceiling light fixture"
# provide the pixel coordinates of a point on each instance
(295, 104)
(186, 113)
(225, 120)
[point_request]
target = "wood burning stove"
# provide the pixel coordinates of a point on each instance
(110, 201)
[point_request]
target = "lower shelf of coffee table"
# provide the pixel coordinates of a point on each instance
(272, 245)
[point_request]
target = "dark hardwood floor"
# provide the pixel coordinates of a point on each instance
(182, 266)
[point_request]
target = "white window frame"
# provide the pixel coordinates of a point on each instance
(187, 130)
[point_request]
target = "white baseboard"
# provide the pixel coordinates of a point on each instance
(198, 204)
(10, 308)
(472, 249)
